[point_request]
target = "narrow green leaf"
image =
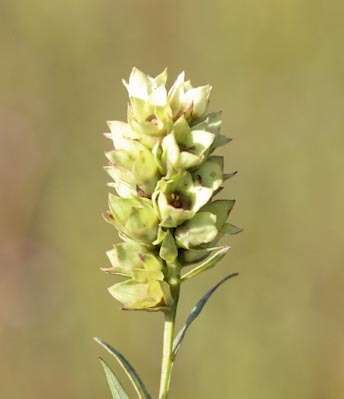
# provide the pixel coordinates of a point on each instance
(115, 386)
(206, 264)
(128, 368)
(196, 310)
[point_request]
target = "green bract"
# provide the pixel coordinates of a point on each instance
(165, 178)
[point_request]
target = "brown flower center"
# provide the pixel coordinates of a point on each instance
(152, 119)
(179, 201)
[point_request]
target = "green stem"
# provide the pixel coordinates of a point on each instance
(169, 328)
(167, 361)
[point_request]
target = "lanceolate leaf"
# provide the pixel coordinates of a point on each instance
(115, 386)
(206, 264)
(128, 368)
(196, 310)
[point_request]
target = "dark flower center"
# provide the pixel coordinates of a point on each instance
(179, 201)
(152, 119)
(184, 147)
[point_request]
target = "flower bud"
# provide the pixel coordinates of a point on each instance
(134, 165)
(134, 217)
(141, 295)
(184, 147)
(134, 260)
(187, 100)
(145, 287)
(149, 112)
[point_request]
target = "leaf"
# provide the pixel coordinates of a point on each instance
(207, 263)
(231, 229)
(220, 141)
(196, 310)
(128, 368)
(115, 386)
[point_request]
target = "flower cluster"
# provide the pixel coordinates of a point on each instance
(165, 177)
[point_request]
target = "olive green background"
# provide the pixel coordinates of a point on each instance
(277, 72)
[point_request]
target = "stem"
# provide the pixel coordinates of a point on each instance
(169, 327)
(167, 361)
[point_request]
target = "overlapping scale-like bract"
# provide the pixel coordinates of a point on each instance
(165, 177)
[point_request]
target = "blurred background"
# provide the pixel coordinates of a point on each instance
(277, 72)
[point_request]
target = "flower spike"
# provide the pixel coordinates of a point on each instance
(165, 176)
